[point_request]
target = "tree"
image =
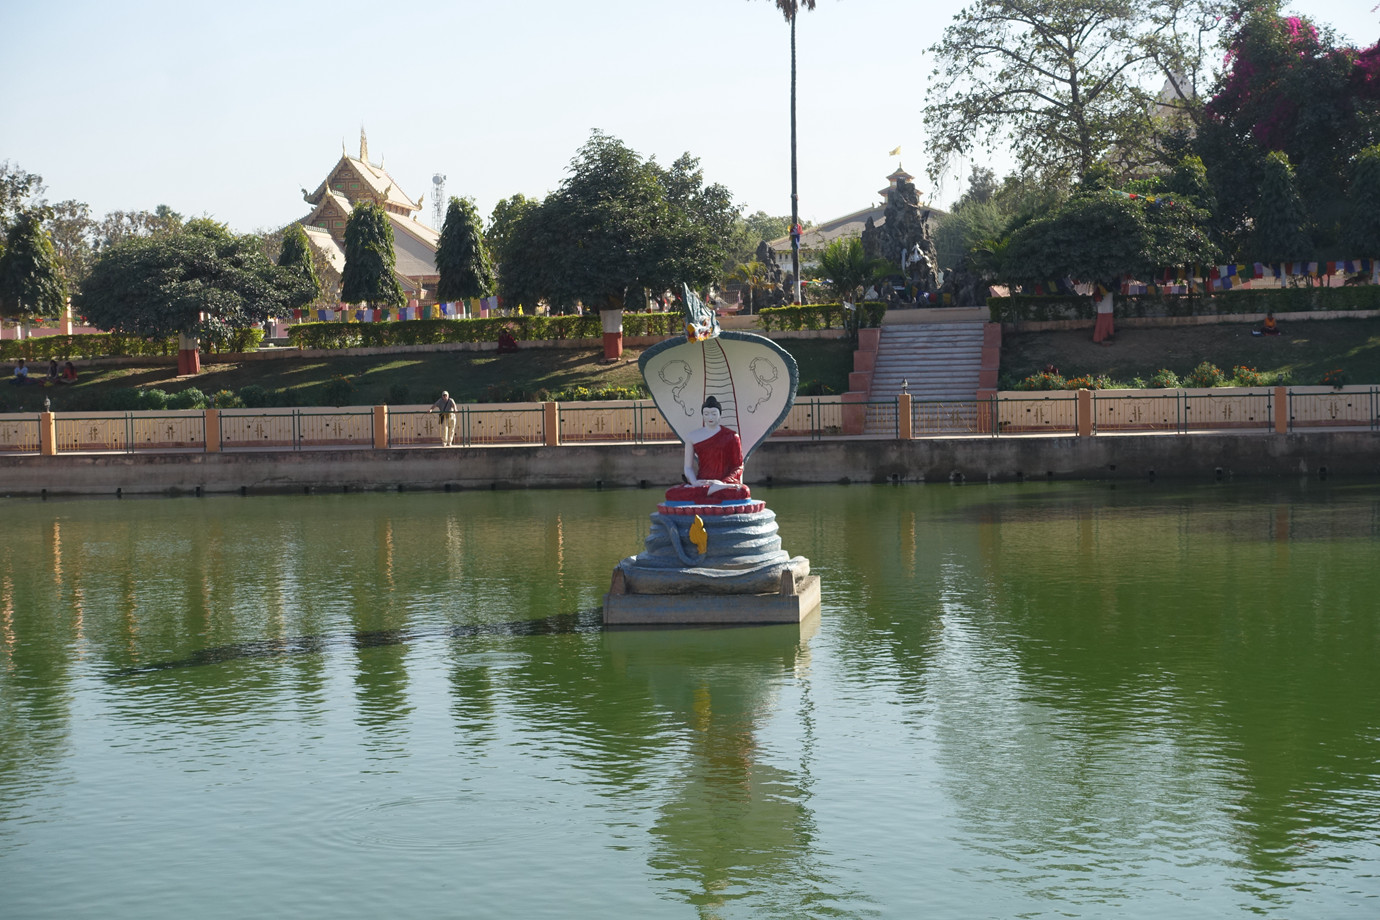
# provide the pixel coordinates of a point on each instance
(20, 191)
(73, 233)
(1059, 82)
(791, 10)
(504, 217)
(122, 225)
(1102, 234)
(298, 258)
(1363, 220)
(617, 226)
(848, 268)
(30, 279)
(1281, 223)
(369, 260)
(1289, 87)
(197, 281)
(462, 258)
(750, 232)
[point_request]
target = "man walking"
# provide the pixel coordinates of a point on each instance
(446, 406)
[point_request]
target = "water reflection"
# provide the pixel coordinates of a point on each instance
(1033, 700)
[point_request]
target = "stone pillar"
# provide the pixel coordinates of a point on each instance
(613, 333)
(188, 359)
(380, 428)
(212, 417)
(905, 422)
(47, 434)
(1281, 402)
(854, 413)
(1085, 418)
(551, 423)
(67, 318)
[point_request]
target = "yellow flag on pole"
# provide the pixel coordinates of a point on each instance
(895, 153)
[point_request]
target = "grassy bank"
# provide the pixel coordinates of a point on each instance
(419, 377)
(1301, 356)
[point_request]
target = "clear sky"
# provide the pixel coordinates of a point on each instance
(229, 110)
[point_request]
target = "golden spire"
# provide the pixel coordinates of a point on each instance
(363, 145)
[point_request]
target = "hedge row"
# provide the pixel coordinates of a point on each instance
(437, 331)
(1035, 308)
(818, 316)
(116, 345)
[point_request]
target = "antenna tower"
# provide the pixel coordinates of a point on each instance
(438, 200)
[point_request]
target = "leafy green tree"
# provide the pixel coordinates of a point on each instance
(30, 278)
(753, 275)
(20, 191)
(1281, 222)
(848, 268)
(199, 281)
(504, 217)
(1363, 219)
(462, 258)
(73, 233)
(1289, 86)
(298, 257)
(369, 260)
(122, 225)
(1054, 79)
(617, 226)
(1102, 234)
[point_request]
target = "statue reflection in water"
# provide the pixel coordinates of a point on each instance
(735, 827)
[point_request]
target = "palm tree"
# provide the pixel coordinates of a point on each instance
(754, 275)
(789, 9)
(848, 268)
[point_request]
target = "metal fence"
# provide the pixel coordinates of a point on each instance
(1054, 413)
(129, 432)
(639, 422)
(296, 429)
(1335, 409)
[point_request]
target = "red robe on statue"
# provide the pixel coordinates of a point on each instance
(720, 457)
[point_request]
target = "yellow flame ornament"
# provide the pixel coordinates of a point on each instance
(698, 535)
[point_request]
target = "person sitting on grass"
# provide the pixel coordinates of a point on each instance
(1270, 326)
(69, 373)
(21, 373)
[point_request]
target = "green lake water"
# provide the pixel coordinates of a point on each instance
(1036, 701)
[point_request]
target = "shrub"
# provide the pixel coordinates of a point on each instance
(1335, 378)
(1164, 379)
(1206, 375)
(1089, 382)
(190, 398)
(398, 395)
(1045, 380)
(226, 399)
(1247, 377)
(153, 399)
(591, 394)
(814, 388)
(254, 396)
(337, 391)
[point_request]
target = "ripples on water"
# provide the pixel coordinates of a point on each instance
(1036, 701)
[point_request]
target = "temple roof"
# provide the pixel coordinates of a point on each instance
(373, 178)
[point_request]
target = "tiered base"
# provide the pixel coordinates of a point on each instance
(622, 609)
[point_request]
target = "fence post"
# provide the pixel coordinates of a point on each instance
(380, 428)
(551, 423)
(1084, 413)
(905, 424)
(1281, 408)
(47, 434)
(211, 418)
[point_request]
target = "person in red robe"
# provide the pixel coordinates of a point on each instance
(713, 462)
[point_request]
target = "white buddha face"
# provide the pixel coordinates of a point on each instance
(710, 416)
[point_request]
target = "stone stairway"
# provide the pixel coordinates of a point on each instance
(938, 362)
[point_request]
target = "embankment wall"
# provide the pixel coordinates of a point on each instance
(1196, 457)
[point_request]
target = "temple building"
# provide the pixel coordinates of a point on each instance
(815, 239)
(355, 179)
